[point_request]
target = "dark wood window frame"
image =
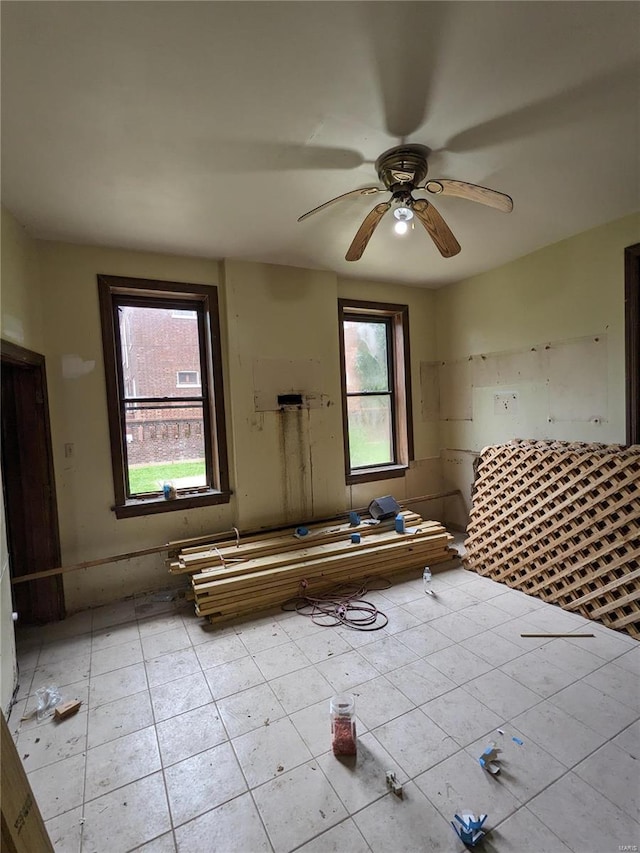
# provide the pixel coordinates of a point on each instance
(114, 290)
(397, 317)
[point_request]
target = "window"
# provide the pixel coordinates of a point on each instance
(188, 379)
(166, 423)
(376, 399)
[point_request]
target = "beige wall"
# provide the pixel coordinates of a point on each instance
(77, 400)
(280, 334)
(283, 338)
(545, 335)
(21, 317)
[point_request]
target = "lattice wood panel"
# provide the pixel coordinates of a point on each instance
(561, 521)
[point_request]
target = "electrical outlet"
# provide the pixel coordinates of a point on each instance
(68, 451)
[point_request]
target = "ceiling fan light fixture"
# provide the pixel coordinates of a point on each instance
(402, 170)
(403, 216)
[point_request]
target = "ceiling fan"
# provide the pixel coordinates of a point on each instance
(401, 170)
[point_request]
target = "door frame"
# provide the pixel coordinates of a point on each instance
(632, 341)
(53, 597)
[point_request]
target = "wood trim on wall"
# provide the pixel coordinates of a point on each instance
(632, 341)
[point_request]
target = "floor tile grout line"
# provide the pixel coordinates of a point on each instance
(525, 806)
(335, 826)
(521, 804)
(586, 781)
(246, 781)
(462, 748)
(604, 662)
(155, 731)
(86, 751)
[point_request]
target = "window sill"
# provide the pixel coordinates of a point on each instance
(149, 506)
(369, 475)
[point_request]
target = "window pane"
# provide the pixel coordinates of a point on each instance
(155, 342)
(370, 435)
(365, 353)
(164, 443)
(188, 378)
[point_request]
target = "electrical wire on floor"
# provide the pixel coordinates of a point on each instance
(343, 605)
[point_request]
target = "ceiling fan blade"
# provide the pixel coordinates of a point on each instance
(473, 192)
(438, 229)
(363, 191)
(363, 235)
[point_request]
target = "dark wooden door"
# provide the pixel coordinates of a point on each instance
(632, 340)
(28, 484)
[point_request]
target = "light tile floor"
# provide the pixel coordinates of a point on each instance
(195, 739)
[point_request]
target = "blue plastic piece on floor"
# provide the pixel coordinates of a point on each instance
(470, 830)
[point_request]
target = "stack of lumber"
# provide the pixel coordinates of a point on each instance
(235, 577)
(561, 521)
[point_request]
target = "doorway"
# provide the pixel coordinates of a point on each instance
(632, 340)
(31, 515)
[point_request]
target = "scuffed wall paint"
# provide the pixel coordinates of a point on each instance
(21, 319)
(77, 396)
(281, 466)
(73, 366)
(283, 338)
(546, 330)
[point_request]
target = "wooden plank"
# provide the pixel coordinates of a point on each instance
(310, 556)
(617, 604)
(23, 829)
(557, 635)
(315, 532)
(609, 587)
(302, 570)
(178, 544)
(382, 551)
(67, 709)
(248, 604)
(269, 570)
(88, 564)
(288, 543)
(291, 585)
(333, 577)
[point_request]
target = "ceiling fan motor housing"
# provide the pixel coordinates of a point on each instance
(401, 169)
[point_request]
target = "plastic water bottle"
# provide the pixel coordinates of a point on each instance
(426, 580)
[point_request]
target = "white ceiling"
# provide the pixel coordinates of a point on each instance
(207, 128)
